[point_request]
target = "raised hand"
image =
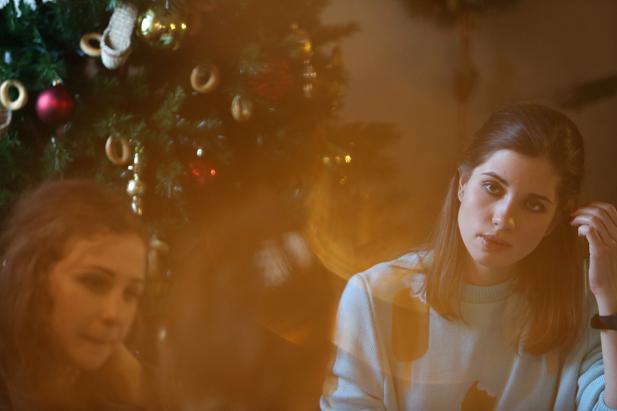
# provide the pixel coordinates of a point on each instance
(125, 376)
(597, 222)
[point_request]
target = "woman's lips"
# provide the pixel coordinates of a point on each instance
(492, 242)
(99, 340)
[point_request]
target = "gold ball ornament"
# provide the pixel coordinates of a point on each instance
(135, 188)
(118, 150)
(301, 46)
(138, 164)
(162, 28)
(241, 108)
(137, 205)
(5, 98)
(205, 79)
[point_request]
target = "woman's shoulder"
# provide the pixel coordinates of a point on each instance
(388, 278)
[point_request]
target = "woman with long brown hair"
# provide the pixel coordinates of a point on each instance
(499, 312)
(73, 269)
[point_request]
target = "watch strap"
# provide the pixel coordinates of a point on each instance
(604, 322)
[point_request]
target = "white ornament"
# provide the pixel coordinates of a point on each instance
(17, 4)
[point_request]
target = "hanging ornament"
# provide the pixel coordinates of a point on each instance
(119, 157)
(466, 74)
(301, 48)
(200, 151)
(300, 44)
(5, 119)
(200, 169)
(116, 39)
(309, 75)
(162, 28)
(241, 108)
(5, 95)
(157, 250)
(90, 44)
(205, 78)
(275, 82)
(55, 105)
(447, 12)
(136, 188)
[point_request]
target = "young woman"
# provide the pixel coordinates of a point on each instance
(495, 314)
(73, 269)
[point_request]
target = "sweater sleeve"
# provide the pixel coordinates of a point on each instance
(590, 390)
(357, 380)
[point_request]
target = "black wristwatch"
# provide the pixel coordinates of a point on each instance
(604, 322)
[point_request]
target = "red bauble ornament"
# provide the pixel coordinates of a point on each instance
(275, 82)
(54, 106)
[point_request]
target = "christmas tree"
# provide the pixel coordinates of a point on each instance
(177, 102)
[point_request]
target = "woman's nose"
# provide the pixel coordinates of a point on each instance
(503, 215)
(113, 308)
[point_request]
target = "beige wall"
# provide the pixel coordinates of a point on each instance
(401, 70)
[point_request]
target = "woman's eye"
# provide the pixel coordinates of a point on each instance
(491, 188)
(95, 283)
(536, 206)
(132, 293)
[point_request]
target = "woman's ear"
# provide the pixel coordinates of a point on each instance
(463, 178)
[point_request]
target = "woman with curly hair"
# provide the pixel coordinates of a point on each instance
(73, 270)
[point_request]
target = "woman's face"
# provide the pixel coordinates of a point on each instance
(507, 206)
(94, 292)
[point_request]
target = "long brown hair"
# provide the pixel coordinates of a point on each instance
(551, 281)
(42, 225)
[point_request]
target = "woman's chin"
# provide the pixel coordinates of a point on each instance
(91, 359)
(492, 264)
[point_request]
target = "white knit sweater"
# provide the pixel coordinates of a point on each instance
(395, 353)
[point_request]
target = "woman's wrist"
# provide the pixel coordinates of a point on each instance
(607, 303)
